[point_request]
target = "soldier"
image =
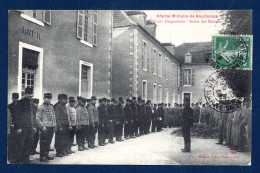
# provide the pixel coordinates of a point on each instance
(187, 123)
(222, 127)
(93, 122)
(140, 114)
(15, 130)
(46, 121)
(196, 112)
(160, 114)
(102, 116)
(135, 117)
(128, 119)
(82, 124)
(142, 118)
(166, 116)
(36, 135)
(62, 141)
(170, 111)
(111, 121)
(175, 114)
(108, 102)
(26, 111)
(59, 101)
(149, 115)
(72, 120)
(154, 118)
(119, 119)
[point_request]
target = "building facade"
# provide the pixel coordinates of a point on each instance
(142, 66)
(195, 69)
(60, 51)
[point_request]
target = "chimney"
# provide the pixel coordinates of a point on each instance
(137, 16)
(151, 28)
(170, 47)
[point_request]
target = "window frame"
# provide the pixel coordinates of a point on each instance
(186, 77)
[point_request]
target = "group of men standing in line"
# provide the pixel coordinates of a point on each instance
(28, 123)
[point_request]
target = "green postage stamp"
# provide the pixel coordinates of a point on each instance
(232, 52)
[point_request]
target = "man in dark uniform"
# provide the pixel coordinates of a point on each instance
(36, 135)
(187, 123)
(135, 117)
(72, 120)
(119, 119)
(142, 118)
(148, 117)
(108, 102)
(62, 140)
(26, 111)
(111, 121)
(15, 130)
(102, 116)
(154, 118)
(128, 118)
(93, 121)
(140, 112)
(46, 121)
(59, 101)
(160, 114)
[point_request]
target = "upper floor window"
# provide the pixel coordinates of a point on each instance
(187, 76)
(144, 55)
(154, 61)
(166, 68)
(160, 65)
(40, 15)
(87, 26)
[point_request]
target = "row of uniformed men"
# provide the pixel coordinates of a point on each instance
(26, 121)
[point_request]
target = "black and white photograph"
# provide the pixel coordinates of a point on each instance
(129, 87)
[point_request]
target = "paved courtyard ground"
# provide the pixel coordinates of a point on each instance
(159, 148)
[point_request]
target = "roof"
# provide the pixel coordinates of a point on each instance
(134, 12)
(197, 50)
(150, 22)
(167, 44)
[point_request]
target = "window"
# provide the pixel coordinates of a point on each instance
(85, 70)
(160, 65)
(154, 93)
(87, 26)
(187, 77)
(40, 15)
(85, 79)
(166, 96)
(173, 72)
(28, 79)
(144, 56)
(166, 68)
(154, 61)
(160, 94)
(144, 90)
(148, 57)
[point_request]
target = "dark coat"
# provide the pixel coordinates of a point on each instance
(102, 114)
(154, 117)
(26, 113)
(128, 113)
(149, 113)
(187, 118)
(119, 113)
(111, 112)
(61, 115)
(134, 111)
(14, 111)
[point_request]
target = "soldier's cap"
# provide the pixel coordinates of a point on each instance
(108, 100)
(113, 100)
(149, 101)
(165, 104)
(104, 99)
(15, 95)
(64, 96)
(134, 98)
(93, 98)
(72, 99)
(120, 99)
(100, 100)
(47, 95)
(36, 101)
(59, 96)
(88, 100)
(155, 104)
(143, 101)
(78, 98)
(83, 99)
(128, 100)
(169, 103)
(139, 98)
(28, 90)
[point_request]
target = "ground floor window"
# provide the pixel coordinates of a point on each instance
(85, 79)
(144, 90)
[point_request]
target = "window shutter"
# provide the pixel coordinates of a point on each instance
(47, 16)
(142, 55)
(192, 77)
(181, 77)
(80, 24)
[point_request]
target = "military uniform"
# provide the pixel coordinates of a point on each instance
(222, 127)
(135, 117)
(14, 137)
(148, 117)
(62, 140)
(128, 119)
(111, 120)
(160, 115)
(46, 121)
(93, 122)
(82, 125)
(72, 119)
(36, 135)
(102, 116)
(187, 123)
(26, 111)
(119, 120)
(154, 119)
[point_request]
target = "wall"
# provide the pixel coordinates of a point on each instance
(62, 52)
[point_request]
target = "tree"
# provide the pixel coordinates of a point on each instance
(237, 22)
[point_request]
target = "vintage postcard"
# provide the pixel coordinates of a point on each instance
(130, 87)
